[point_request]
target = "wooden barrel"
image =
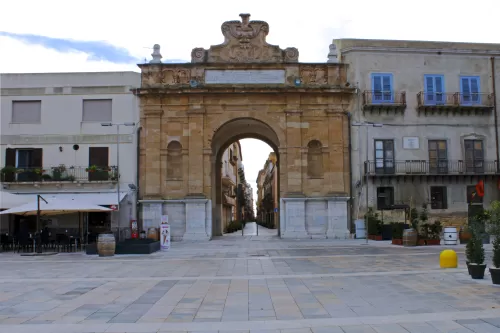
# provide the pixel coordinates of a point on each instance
(409, 237)
(153, 233)
(106, 245)
(450, 236)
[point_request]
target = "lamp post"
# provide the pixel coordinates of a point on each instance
(38, 232)
(117, 156)
(367, 125)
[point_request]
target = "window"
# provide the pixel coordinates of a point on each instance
(474, 156)
(27, 159)
(97, 110)
(99, 157)
(385, 197)
(434, 89)
(384, 156)
(26, 112)
(314, 159)
(382, 88)
(469, 90)
(472, 197)
(439, 197)
(438, 156)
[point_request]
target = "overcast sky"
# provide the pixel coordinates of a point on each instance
(59, 36)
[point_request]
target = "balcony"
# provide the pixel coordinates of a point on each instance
(440, 168)
(376, 101)
(58, 174)
(456, 103)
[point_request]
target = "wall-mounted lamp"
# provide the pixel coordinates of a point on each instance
(60, 148)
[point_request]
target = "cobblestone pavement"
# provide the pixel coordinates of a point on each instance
(248, 284)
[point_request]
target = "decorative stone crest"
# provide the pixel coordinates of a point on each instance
(244, 42)
(314, 75)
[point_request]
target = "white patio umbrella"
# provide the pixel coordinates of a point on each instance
(9, 200)
(55, 207)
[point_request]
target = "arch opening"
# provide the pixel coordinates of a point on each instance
(225, 144)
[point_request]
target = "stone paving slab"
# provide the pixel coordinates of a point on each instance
(299, 288)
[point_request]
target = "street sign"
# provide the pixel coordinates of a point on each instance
(113, 207)
(275, 210)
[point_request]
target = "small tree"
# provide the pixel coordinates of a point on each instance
(475, 248)
(493, 225)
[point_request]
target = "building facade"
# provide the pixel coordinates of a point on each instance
(230, 159)
(53, 143)
(267, 187)
(424, 126)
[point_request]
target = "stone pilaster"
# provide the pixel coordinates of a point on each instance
(152, 163)
(293, 152)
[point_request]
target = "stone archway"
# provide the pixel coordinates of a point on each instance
(229, 132)
(189, 112)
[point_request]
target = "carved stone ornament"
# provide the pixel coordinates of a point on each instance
(155, 76)
(244, 42)
(314, 75)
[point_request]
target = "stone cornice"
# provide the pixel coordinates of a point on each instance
(380, 49)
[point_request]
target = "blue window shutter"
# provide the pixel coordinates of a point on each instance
(434, 89)
(382, 88)
(470, 90)
(377, 88)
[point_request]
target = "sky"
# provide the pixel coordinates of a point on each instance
(62, 36)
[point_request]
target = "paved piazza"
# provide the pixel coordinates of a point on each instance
(248, 284)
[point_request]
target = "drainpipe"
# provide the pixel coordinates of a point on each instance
(351, 206)
(138, 177)
(495, 113)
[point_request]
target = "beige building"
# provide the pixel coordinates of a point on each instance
(436, 124)
(53, 143)
(230, 160)
(267, 188)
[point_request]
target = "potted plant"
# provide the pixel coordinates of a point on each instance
(494, 230)
(58, 171)
(397, 233)
(434, 233)
(92, 168)
(476, 253)
(374, 225)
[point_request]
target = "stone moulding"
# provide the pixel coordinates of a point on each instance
(192, 76)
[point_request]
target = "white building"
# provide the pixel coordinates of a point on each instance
(53, 144)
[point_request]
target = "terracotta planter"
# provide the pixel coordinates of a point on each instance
(433, 242)
(397, 241)
(421, 242)
(464, 237)
(377, 237)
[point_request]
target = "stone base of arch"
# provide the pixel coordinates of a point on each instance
(314, 217)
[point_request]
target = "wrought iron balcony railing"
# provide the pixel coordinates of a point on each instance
(431, 167)
(454, 100)
(384, 98)
(59, 173)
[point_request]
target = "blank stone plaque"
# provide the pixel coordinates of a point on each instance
(272, 76)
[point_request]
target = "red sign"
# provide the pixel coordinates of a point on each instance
(113, 207)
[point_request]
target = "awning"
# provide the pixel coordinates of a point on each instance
(55, 207)
(97, 198)
(229, 201)
(9, 200)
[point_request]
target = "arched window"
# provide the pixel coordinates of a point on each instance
(314, 159)
(174, 160)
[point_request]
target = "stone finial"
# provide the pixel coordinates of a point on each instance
(332, 55)
(156, 55)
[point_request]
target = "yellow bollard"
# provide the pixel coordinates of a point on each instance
(448, 259)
